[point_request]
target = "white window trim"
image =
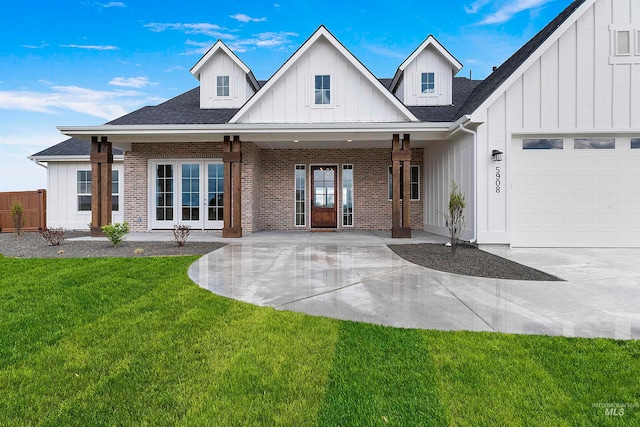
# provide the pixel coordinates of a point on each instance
(389, 184)
(295, 202)
(353, 185)
(216, 87)
(435, 84)
(637, 40)
(332, 82)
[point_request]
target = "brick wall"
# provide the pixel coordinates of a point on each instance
(372, 207)
(268, 192)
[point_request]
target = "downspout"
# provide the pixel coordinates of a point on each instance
(475, 180)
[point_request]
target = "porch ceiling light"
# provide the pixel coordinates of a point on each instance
(349, 140)
(496, 155)
(295, 141)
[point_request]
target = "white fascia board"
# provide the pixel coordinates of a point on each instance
(478, 113)
(219, 45)
(429, 41)
(74, 158)
(323, 32)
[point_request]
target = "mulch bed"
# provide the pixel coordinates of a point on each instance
(469, 261)
(31, 245)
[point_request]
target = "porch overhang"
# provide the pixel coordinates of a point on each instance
(270, 135)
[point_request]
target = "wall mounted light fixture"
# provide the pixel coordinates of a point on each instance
(496, 155)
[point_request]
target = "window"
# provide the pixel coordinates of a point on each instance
(322, 90)
(222, 85)
(428, 83)
(190, 192)
(542, 144)
(84, 190)
(347, 195)
(635, 143)
(594, 143)
(638, 42)
(164, 192)
(415, 182)
(215, 192)
(301, 186)
(623, 42)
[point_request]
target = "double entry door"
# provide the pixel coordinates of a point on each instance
(189, 192)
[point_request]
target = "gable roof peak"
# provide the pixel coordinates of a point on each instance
(323, 32)
(219, 45)
(429, 41)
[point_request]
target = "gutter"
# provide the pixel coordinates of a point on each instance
(34, 160)
(462, 128)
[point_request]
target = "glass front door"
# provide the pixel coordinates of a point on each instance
(323, 206)
(187, 192)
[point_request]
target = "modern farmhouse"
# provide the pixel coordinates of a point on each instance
(546, 148)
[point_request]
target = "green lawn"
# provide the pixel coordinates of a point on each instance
(135, 342)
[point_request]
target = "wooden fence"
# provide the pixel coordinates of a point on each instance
(35, 209)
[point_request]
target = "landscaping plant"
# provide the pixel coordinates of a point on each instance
(455, 215)
(116, 232)
(53, 236)
(18, 216)
(181, 233)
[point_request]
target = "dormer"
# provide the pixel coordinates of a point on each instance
(425, 78)
(225, 81)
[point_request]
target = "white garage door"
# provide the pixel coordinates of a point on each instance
(575, 192)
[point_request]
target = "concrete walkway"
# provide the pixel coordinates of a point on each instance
(354, 276)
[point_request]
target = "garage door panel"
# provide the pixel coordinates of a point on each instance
(575, 198)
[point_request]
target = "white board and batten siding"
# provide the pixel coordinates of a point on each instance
(353, 97)
(239, 88)
(62, 195)
(427, 61)
(570, 89)
(445, 162)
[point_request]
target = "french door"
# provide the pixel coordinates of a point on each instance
(188, 192)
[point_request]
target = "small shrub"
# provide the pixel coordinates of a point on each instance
(19, 217)
(455, 215)
(181, 233)
(116, 232)
(138, 251)
(53, 236)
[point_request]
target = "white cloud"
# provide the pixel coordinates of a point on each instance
(476, 6)
(280, 39)
(246, 18)
(175, 68)
(90, 47)
(510, 8)
(104, 104)
(32, 46)
(114, 4)
(137, 82)
(205, 28)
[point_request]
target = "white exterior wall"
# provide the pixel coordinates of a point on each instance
(62, 195)
(427, 61)
(239, 89)
(571, 89)
(444, 162)
(353, 97)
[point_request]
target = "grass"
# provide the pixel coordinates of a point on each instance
(134, 342)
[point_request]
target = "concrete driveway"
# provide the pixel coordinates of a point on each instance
(359, 278)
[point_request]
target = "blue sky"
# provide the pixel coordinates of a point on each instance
(86, 62)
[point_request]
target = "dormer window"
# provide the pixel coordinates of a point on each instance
(322, 90)
(428, 83)
(222, 86)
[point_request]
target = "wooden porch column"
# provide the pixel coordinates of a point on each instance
(401, 155)
(101, 170)
(232, 211)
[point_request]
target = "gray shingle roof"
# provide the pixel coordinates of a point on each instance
(182, 110)
(71, 147)
(508, 67)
